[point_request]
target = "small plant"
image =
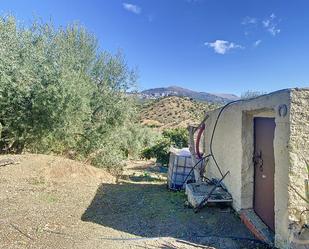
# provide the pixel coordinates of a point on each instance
(49, 198)
(36, 181)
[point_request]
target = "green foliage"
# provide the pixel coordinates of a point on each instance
(177, 138)
(160, 151)
(60, 93)
(138, 138)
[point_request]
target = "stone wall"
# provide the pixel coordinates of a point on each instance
(299, 155)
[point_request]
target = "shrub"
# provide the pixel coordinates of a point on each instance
(177, 138)
(160, 151)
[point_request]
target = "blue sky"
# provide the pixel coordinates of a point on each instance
(207, 45)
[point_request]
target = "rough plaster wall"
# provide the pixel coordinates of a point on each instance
(281, 181)
(247, 170)
(227, 150)
(299, 153)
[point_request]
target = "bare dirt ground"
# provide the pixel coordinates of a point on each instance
(52, 202)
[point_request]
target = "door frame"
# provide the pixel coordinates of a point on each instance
(247, 168)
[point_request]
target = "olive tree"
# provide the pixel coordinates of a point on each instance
(59, 92)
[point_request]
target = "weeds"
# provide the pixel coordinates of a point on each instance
(49, 198)
(36, 181)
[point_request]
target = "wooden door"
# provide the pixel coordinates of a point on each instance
(264, 163)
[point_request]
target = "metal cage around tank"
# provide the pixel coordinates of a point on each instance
(179, 171)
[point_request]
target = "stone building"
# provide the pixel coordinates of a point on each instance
(264, 144)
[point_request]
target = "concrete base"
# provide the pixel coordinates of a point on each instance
(196, 193)
(257, 227)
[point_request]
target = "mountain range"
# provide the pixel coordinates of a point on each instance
(217, 98)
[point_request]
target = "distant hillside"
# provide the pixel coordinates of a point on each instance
(217, 98)
(173, 111)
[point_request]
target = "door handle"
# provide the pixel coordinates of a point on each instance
(258, 161)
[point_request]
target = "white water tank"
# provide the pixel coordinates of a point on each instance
(179, 169)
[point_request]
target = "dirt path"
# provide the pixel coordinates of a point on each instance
(51, 202)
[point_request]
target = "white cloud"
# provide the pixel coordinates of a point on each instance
(132, 8)
(274, 30)
(266, 23)
(257, 43)
(249, 20)
(271, 25)
(221, 46)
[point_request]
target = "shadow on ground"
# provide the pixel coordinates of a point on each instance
(144, 178)
(150, 210)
